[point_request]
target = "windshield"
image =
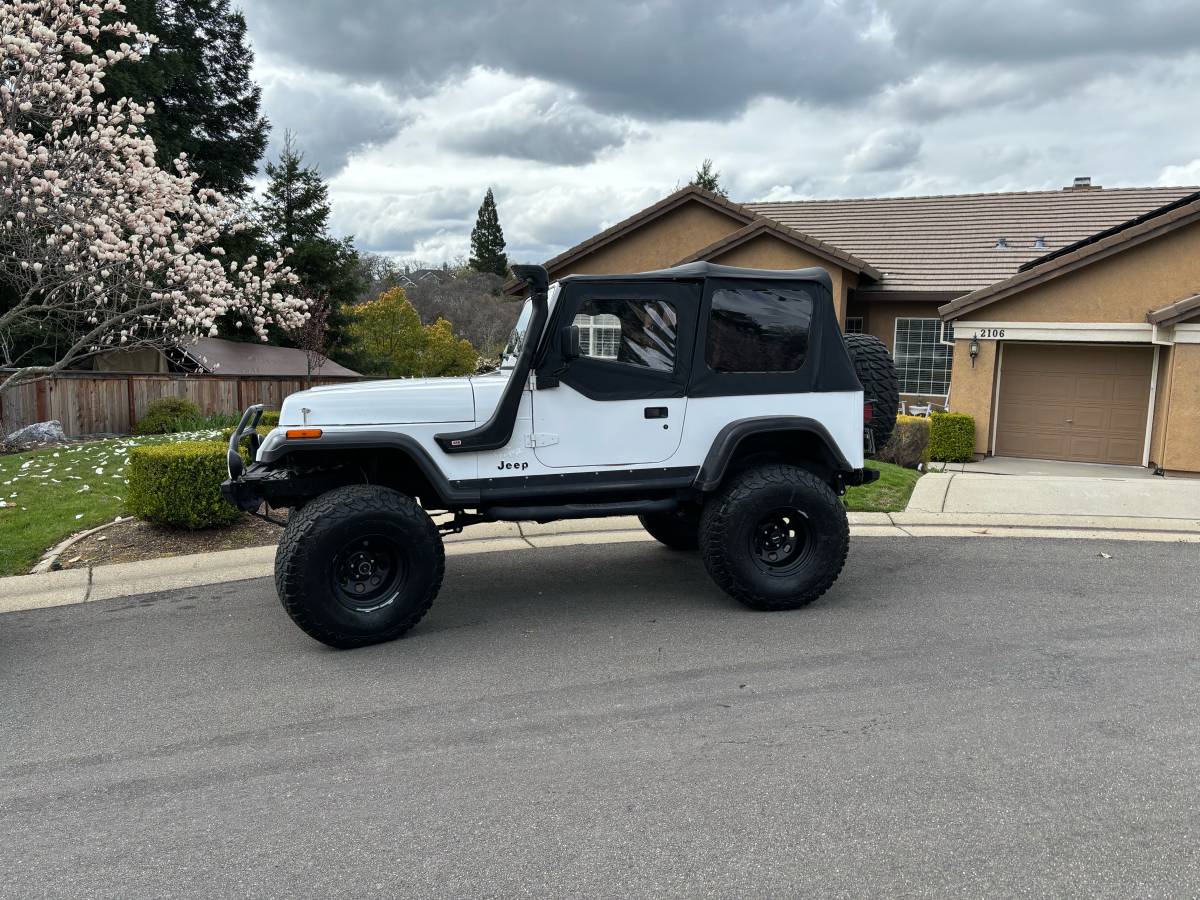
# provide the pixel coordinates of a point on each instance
(517, 339)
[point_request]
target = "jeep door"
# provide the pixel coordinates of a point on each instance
(622, 401)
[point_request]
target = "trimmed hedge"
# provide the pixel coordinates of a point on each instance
(270, 418)
(951, 437)
(909, 444)
(168, 415)
(178, 484)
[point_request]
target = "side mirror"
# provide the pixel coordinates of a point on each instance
(571, 347)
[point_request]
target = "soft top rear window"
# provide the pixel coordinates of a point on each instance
(758, 330)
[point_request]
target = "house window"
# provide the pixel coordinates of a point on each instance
(854, 325)
(599, 335)
(636, 332)
(758, 330)
(924, 355)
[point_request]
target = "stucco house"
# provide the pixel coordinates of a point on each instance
(1066, 322)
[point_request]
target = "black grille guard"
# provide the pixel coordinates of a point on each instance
(249, 421)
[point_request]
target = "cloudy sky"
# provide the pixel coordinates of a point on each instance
(580, 112)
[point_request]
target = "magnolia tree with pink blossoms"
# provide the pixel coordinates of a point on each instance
(99, 247)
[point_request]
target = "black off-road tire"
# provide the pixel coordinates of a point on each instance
(736, 518)
(357, 529)
(679, 530)
(877, 372)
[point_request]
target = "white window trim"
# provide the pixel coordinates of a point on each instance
(939, 342)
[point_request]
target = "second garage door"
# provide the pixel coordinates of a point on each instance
(1074, 402)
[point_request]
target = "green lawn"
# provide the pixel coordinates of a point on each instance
(889, 494)
(47, 495)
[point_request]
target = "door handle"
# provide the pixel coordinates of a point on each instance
(656, 412)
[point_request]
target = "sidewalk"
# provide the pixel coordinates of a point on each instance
(1047, 488)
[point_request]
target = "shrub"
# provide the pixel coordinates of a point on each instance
(178, 484)
(951, 437)
(909, 444)
(169, 415)
(270, 418)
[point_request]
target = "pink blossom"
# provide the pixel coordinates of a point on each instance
(112, 248)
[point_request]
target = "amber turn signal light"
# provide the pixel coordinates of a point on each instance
(296, 434)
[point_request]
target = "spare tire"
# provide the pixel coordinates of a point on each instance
(875, 369)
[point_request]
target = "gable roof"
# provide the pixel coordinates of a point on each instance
(649, 214)
(948, 242)
(1174, 313)
(761, 226)
(1139, 229)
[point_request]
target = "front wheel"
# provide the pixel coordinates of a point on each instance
(774, 538)
(359, 565)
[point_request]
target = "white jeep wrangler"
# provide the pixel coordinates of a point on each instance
(720, 405)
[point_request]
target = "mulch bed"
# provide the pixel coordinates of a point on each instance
(136, 540)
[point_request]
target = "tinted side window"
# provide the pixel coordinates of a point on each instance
(758, 330)
(636, 332)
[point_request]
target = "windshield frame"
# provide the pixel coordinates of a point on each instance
(516, 340)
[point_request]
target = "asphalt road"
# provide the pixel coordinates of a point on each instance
(956, 718)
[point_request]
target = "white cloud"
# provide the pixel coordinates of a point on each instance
(419, 108)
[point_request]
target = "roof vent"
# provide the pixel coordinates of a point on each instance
(1082, 183)
(1001, 243)
(1039, 242)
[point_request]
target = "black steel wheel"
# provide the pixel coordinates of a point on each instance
(359, 565)
(774, 537)
(781, 540)
(368, 572)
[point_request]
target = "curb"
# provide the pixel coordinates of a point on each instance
(50, 557)
(72, 586)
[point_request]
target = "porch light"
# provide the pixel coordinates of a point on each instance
(973, 350)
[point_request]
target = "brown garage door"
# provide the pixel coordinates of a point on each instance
(1082, 403)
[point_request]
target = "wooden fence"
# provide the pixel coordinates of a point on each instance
(112, 402)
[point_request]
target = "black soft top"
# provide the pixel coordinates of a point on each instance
(699, 270)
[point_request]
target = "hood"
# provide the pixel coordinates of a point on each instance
(392, 402)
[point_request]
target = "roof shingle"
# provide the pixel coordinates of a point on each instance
(948, 242)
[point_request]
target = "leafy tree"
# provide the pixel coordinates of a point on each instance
(198, 77)
(709, 180)
(294, 213)
(392, 341)
(487, 240)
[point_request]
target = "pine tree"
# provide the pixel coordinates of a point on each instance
(709, 180)
(487, 240)
(198, 78)
(294, 213)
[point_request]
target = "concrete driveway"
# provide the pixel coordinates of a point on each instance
(956, 718)
(1046, 487)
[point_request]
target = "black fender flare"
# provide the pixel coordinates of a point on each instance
(725, 444)
(449, 493)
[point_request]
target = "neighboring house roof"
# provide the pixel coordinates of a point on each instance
(949, 242)
(219, 357)
(1174, 313)
(761, 226)
(1138, 229)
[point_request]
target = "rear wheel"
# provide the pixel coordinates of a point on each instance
(775, 537)
(881, 388)
(679, 530)
(359, 565)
